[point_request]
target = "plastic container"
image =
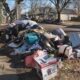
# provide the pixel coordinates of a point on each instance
(31, 38)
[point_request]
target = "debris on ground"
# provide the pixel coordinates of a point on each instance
(50, 54)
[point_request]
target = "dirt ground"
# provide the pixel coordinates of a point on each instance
(70, 70)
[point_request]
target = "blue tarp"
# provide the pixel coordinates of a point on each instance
(75, 39)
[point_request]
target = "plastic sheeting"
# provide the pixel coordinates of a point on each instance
(75, 39)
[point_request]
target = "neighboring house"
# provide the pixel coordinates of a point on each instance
(68, 14)
(48, 13)
(43, 13)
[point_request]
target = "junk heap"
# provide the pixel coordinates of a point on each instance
(44, 51)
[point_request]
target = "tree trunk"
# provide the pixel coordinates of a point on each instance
(59, 17)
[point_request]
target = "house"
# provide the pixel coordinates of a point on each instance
(48, 13)
(43, 13)
(68, 14)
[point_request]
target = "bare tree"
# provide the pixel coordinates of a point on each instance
(11, 13)
(7, 9)
(35, 6)
(76, 4)
(60, 5)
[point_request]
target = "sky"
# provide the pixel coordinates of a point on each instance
(11, 3)
(26, 5)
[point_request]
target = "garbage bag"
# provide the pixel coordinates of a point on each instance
(59, 32)
(67, 41)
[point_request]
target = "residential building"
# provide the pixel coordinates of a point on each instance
(68, 14)
(43, 13)
(48, 13)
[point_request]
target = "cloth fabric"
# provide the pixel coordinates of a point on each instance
(25, 22)
(29, 61)
(22, 49)
(35, 46)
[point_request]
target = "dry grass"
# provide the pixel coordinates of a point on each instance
(70, 71)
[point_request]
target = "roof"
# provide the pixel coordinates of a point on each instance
(68, 11)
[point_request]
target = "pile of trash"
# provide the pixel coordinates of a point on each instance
(44, 51)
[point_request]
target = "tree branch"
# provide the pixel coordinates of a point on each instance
(64, 4)
(54, 2)
(6, 7)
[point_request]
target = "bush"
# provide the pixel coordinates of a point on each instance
(75, 18)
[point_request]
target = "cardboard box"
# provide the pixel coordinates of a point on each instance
(46, 66)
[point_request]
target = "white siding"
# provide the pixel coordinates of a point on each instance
(67, 16)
